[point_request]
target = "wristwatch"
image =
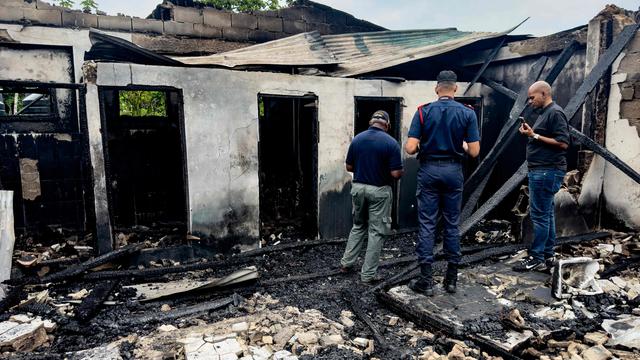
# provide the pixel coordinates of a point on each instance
(536, 136)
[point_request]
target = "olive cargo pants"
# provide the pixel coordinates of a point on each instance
(372, 219)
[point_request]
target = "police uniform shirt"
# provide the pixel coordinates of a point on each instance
(444, 125)
(552, 123)
(374, 154)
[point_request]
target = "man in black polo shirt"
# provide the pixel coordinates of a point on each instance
(374, 158)
(547, 161)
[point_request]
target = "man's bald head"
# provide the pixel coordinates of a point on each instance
(540, 94)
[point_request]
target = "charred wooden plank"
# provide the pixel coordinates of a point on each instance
(182, 312)
(507, 134)
(486, 63)
(92, 303)
(90, 264)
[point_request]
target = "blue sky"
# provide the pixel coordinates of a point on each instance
(547, 16)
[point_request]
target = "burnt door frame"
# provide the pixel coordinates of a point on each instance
(314, 149)
(396, 133)
(102, 93)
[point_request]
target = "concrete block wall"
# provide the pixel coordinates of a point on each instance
(208, 23)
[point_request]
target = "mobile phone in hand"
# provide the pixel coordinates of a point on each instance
(522, 121)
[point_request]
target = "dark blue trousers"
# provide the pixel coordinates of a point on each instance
(440, 187)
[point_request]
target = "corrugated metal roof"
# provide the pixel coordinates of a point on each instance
(353, 54)
(306, 49)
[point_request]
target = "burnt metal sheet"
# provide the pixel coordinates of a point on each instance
(306, 49)
(111, 48)
(352, 54)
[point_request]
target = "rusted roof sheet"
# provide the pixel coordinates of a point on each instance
(352, 54)
(306, 49)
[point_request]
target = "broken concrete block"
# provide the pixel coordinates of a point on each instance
(596, 338)
(307, 338)
(267, 340)
(361, 342)
(457, 353)
(167, 328)
(260, 352)
(23, 337)
(240, 327)
(49, 326)
(21, 318)
(393, 321)
(79, 295)
(625, 332)
(597, 352)
(228, 357)
(608, 286)
(165, 308)
(329, 340)
(347, 322)
(229, 346)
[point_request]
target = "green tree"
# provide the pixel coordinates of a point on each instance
(245, 5)
(88, 5)
(66, 3)
(143, 103)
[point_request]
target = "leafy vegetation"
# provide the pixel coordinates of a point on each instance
(66, 3)
(86, 5)
(245, 5)
(143, 103)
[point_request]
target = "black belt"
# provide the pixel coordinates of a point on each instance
(442, 161)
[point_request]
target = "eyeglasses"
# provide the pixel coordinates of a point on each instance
(379, 117)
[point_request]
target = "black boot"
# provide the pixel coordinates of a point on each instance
(451, 278)
(424, 284)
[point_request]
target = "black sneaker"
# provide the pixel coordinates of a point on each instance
(529, 264)
(549, 263)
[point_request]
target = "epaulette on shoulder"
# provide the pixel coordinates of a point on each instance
(420, 112)
(469, 106)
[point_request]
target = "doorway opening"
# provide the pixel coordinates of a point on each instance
(288, 165)
(145, 157)
(364, 109)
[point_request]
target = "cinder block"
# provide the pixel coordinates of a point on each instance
(79, 19)
(44, 17)
(178, 28)
(123, 23)
(235, 34)
(294, 27)
(292, 13)
(147, 26)
(246, 21)
(187, 15)
(261, 36)
(321, 28)
(12, 14)
(19, 3)
(269, 23)
(630, 109)
(206, 31)
(217, 18)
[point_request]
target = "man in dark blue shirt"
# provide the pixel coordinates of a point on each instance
(374, 159)
(441, 133)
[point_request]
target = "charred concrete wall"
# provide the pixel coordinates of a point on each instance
(221, 130)
(621, 194)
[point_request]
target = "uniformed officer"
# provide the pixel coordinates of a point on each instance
(375, 159)
(441, 133)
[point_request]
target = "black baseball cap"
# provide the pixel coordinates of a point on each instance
(380, 115)
(447, 76)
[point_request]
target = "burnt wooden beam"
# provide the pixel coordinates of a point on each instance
(182, 312)
(601, 68)
(76, 270)
(486, 63)
(514, 181)
(497, 87)
(473, 186)
(358, 310)
(587, 142)
(509, 130)
(92, 303)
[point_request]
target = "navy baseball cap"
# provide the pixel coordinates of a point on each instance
(380, 115)
(447, 76)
